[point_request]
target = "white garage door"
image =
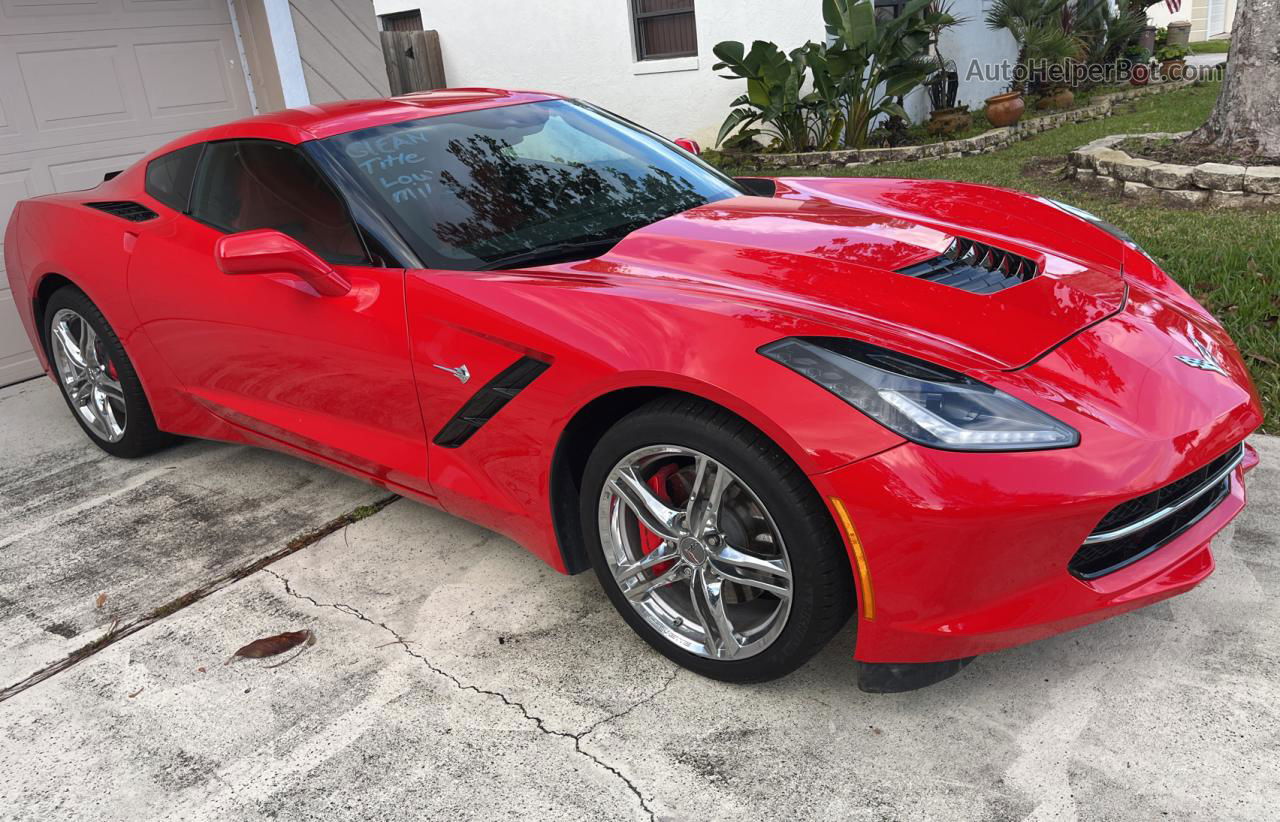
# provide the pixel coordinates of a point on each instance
(87, 87)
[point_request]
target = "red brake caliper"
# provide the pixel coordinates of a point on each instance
(649, 541)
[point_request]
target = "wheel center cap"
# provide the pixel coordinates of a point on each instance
(692, 550)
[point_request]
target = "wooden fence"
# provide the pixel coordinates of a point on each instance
(414, 62)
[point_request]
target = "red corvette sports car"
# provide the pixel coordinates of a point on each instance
(968, 416)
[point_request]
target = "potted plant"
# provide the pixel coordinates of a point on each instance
(1138, 61)
(1173, 61)
(1056, 96)
(1006, 108)
(945, 117)
(1037, 27)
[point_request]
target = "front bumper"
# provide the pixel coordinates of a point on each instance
(967, 554)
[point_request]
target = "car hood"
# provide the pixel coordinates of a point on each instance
(1154, 371)
(830, 250)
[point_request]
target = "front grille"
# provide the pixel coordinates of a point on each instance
(1183, 502)
(125, 209)
(974, 266)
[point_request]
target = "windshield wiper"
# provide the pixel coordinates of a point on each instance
(554, 253)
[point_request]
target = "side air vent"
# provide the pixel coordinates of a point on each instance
(758, 186)
(488, 401)
(974, 266)
(126, 210)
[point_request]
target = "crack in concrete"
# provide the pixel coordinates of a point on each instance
(538, 721)
(119, 631)
(675, 672)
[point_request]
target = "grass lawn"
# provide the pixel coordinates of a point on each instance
(1211, 47)
(1230, 260)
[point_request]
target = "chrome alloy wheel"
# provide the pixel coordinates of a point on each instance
(695, 552)
(87, 376)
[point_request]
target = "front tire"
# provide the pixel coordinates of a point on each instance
(713, 546)
(97, 379)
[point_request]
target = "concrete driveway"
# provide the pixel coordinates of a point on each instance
(455, 676)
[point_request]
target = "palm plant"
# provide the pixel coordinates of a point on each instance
(943, 84)
(1105, 32)
(1038, 27)
(938, 17)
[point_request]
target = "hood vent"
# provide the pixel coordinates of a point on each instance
(126, 209)
(974, 266)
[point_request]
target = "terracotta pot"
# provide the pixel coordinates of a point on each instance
(949, 120)
(1005, 109)
(1140, 75)
(1061, 98)
(1173, 69)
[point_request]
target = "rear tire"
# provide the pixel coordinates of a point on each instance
(743, 584)
(98, 381)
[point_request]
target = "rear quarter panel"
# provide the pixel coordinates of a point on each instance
(16, 275)
(87, 247)
(61, 237)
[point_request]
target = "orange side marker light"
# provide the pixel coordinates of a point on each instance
(860, 559)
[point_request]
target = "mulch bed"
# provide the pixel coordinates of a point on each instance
(1182, 152)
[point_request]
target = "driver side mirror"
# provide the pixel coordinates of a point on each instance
(267, 251)
(688, 145)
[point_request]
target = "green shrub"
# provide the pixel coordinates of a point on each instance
(870, 64)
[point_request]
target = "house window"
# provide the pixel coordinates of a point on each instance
(404, 21)
(889, 9)
(664, 29)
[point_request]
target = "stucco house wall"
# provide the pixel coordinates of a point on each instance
(585, 48)
(977, 52)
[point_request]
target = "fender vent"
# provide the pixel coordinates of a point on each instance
(488, 401)
(974, 266)
(126, 210)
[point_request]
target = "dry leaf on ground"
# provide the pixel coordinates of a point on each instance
(275, 645)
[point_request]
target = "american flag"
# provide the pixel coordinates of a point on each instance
(1173, 5)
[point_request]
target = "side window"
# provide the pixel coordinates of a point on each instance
(169, 177)
(248, 184)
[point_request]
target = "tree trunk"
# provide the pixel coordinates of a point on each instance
(1246, 119)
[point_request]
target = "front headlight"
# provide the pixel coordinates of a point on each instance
(923, 402)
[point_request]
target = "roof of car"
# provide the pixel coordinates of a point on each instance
(313, 122)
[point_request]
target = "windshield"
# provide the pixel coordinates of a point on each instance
(522, 185)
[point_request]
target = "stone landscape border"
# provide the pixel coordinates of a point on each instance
(983, 143)
(1101, 167)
